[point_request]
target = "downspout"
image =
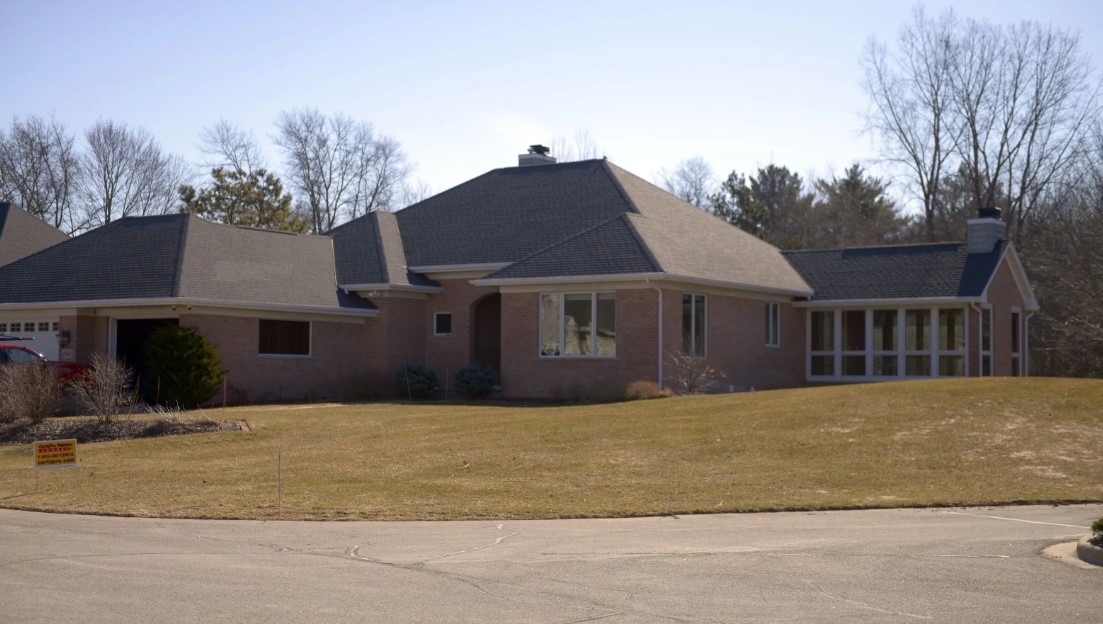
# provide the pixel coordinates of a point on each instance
(660, 291)
(980, 338)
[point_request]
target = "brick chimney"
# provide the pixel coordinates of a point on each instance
(538, 155)
(986, 230)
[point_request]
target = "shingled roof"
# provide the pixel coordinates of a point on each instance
(183, 257)
(929, 271)
(507, 214)
(22, 234)
(369, 252)
(587, 218)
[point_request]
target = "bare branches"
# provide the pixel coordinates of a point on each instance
(911, 101)
(692, 181)
(338, 165)
(128, 173)
(40, 170)
(580, 147)
(1007, 106)
(230, 147)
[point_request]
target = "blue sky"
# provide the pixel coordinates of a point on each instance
(465, 87)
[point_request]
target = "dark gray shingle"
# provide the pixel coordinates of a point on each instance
(896, 272)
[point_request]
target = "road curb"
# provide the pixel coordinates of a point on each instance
(1089, 552)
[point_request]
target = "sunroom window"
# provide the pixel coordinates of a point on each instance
(901, 342)
(951, 342)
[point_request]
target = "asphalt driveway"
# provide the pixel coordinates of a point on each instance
(946, 565)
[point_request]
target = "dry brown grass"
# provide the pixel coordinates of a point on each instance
(976, 441)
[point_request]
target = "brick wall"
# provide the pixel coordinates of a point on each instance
(451, 353)
(735, 345)
(335, 369)
(1003, 294)
(88, 336)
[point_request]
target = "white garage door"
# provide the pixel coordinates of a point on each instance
(42, 329)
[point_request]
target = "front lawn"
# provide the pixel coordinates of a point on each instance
(943, 442)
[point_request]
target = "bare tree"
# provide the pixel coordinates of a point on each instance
(1008, 106)
(338, 165)
(580, 147)
(1022, 103)
(127, 173)
(911, 102)
(228, 146)
(1065, 260)
(39, 170)
(691, 181)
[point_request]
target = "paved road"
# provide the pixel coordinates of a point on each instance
(961, 565)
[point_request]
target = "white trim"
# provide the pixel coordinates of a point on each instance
(1018, 273)
(1017, 314)
(646, 278)
(773, 324)
(451, 318)
(693, 323)
(839, 304)
(458, 268)
(385, 287)
(660, 331)
(180, 301)
(932, 352)
(562, 314)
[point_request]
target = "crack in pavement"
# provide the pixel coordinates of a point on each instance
(460, 552)
(864, 605)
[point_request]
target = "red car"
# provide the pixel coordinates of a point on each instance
(18, 354)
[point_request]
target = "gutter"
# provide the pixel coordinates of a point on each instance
(646, 277)
(189, 302)
(866, 303)
(385, 286)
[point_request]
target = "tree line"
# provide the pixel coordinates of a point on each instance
(338, 169)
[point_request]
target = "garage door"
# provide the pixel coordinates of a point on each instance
(42, 329)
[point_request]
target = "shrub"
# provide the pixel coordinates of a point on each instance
(416, 381)
(475, 382)
(644, 389)
(1097, 529)
(28, 391)
(691, 374)
(184, 368)
(105, 389)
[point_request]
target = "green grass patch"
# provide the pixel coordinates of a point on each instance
(925, 443)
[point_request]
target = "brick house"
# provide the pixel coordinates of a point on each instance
(563, 277)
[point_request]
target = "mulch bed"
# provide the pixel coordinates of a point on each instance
(91, 430)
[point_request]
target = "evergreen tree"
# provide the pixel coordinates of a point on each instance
(252, 199)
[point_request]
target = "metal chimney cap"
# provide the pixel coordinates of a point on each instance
(989, 213)
(539, 149)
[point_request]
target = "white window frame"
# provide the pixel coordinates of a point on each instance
(562, 347)
(937, 339)
(1016, 329)
(833, 353)
(986, 354)
(451, 320)
(773, 325)
(693, 324)
(900, 350)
